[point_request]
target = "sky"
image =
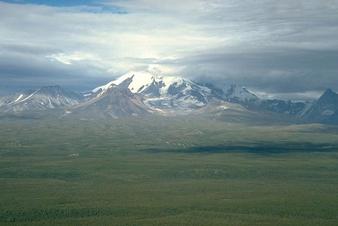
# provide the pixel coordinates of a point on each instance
(285, 49)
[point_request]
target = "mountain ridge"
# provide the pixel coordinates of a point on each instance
(44, 98)
(142, 93)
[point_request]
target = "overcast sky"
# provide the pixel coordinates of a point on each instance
(285, 48)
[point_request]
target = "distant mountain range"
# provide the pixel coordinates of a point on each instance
(144, 93)
(43, 99)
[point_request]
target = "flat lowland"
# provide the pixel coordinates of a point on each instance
(167, 171)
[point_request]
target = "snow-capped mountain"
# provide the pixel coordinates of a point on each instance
(284, 107)
(162, 92)
(44, 98)
(325, 109)
(247, 98)
(144, 93)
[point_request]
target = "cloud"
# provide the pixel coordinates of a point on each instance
(24, 69)
(270, 46)
(270, 70)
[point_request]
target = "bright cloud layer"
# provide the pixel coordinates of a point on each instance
(260, 44)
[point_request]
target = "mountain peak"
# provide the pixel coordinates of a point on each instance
(161, 91)
(325, 109)
(329, 92)
(329, 96)
(137, 80)
(117, 101)
(240, 94)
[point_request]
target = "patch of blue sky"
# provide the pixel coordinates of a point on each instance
(93, 6)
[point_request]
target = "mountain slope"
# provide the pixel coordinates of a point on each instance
(45, 98)
(283, 107)
(325, 109)
(115, 101)
(251, 101)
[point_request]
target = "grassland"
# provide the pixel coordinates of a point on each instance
(173, 171)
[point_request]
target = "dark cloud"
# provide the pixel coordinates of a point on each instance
(24, 71)
(284, 70)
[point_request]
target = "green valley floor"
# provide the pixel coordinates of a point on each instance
(167, 172)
